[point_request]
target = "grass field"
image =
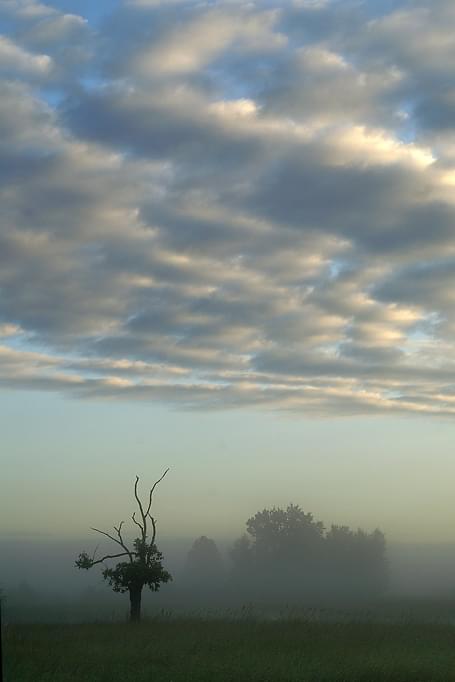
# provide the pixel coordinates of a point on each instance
(238, 651)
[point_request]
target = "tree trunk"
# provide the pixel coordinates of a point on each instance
(135, 604)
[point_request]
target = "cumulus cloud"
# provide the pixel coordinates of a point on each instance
(44, 42)
(27, 9)
(15, 60)
(230, 204)
(188, 48)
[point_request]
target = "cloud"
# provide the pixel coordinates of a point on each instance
(188, 48)
(44, 42)
(26, 9)
(15, 60)
(228, 204)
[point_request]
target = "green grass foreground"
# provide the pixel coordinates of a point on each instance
(214, 650)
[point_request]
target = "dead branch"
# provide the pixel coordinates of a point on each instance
(119, 533)
(137, 522)
(152, 541)
(142, 526)
(109, 556)
(152, 490)
(141, 509)
(118, 530)
(119, 542)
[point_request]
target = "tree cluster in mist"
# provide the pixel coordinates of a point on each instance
(287, 555)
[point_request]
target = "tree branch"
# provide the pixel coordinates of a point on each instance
(119, 530)
(106, 534)
(152, 541)
(153, 490)
(85, 561)
(141, 509)
(122, 543)
(109, 556)
(137, 522)
(119, 542)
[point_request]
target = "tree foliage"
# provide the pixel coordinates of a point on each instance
(287, 553)
(284, 533)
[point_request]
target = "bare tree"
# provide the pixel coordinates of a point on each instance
(143, 566)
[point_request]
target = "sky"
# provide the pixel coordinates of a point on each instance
(227, 246)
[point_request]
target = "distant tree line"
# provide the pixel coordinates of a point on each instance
(287, 555)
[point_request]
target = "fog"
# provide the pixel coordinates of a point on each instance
(39, 579)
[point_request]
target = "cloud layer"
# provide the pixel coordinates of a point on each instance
(230, 204)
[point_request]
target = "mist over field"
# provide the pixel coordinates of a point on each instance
(40, 583)
(48, 564)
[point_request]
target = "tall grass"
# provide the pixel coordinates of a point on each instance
(198, 650)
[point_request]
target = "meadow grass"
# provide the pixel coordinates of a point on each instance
(186, 650)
